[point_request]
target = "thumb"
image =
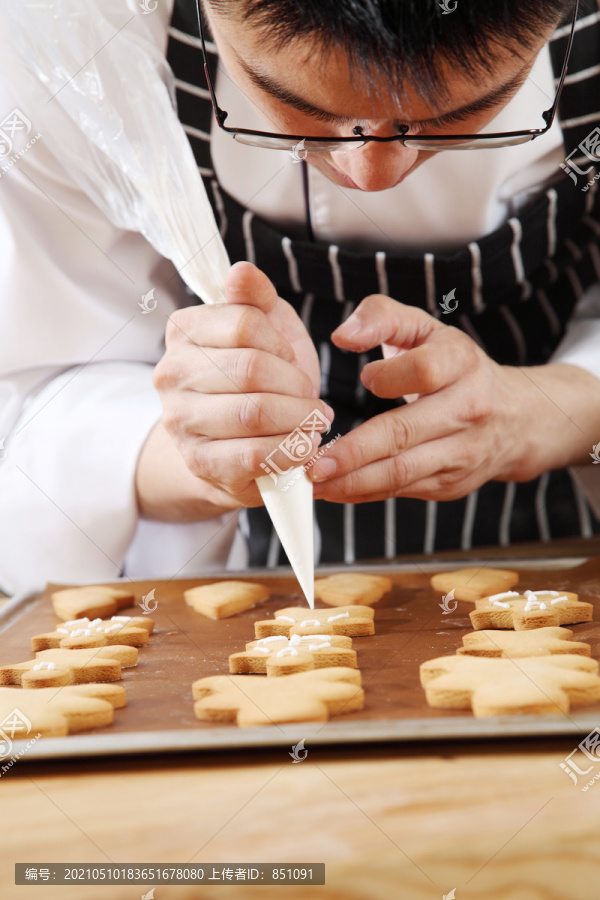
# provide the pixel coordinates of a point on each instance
(245, 284)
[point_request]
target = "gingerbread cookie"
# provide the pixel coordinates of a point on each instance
(532, 609)
(79, 634)
(351, 621)
(537, 642)
(54, 668)
(225, 598)
(52, 713)
(92, 601)
(303, 697)
(504, 687)
(352, 589)
(284, 656)
(472, 584)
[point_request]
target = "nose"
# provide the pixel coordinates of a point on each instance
(375, 167)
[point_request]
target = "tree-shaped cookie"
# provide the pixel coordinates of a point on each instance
(225, 598)
(92, 601)
(535, 642)
(83, 633)
(51, 713)
(305, 697)
(285, 656)
(352, 589)
(349, 620)
(472, 584)
(532, 609)
(502, 687)
(54, 668)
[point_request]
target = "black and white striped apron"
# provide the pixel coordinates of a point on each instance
(518, 287)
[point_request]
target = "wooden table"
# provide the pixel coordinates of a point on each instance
(492, 820)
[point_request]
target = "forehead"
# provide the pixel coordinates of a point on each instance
(329, 79)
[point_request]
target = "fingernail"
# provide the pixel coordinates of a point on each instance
(324, 468)
(351, 326)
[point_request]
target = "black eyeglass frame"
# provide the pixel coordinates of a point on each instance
(403, 137)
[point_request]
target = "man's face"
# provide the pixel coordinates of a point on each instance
(300, 90)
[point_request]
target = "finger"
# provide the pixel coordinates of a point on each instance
(446, 357)
(439, 468)
(229, 416)
(246, 284)
(227, 327)
(217, 371)
(233, 465)
(379, 320)
(390, 434)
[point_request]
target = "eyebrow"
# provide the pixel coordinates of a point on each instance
(271, 87)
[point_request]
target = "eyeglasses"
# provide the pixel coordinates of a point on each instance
(301, 146)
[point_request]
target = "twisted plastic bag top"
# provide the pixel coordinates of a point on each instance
(99, 89)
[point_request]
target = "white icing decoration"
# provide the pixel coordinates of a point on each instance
(76, 622)
(345, 615)
(63, 631)
(309, 622)
(260, 650)
(504, 594)
(534, 603)
(536, 594)
(291, 650)
(318, 646)
(560, 600)
(284, 619)
(309, 637)
(120, 618)
(77, 631)
(275, 637)
(96, 622)
(499, 604)
(44, 665)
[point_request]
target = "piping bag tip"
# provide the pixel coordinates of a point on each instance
(292, 515)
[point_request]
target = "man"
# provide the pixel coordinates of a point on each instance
(503, 231)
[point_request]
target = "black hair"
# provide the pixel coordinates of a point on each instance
(403, 40)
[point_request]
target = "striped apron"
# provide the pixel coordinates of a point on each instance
(518, 287)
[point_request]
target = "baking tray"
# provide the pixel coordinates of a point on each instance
(411, 628)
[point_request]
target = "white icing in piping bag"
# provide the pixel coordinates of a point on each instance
(103, 98)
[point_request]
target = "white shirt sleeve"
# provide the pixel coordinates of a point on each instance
(76, 398)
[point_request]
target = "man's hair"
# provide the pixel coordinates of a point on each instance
(403, 40)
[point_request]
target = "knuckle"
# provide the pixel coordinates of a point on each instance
(246, 369)
(427, 369)
(178, 325)
(249, 415)
(403, 432)
(402, 471)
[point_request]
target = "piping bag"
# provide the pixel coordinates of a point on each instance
(90, 77)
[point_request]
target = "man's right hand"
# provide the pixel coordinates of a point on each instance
(235, 380)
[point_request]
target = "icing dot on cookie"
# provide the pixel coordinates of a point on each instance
(63, 631)
(44, 665)
(495, 597)
(499, 603)
(308, 622)
(291, 651)
(344, 615)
